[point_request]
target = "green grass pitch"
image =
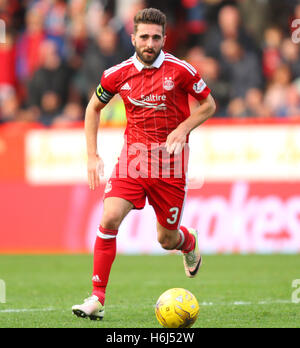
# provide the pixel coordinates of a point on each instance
(232, 290)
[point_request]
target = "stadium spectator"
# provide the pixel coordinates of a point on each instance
(229, 26)
(284, 101)
(49, 87)
(291, 107)
(196, 57)
(181, 14)
(8, 78)
(211, 73)
(29, 43)
(240, 68)
(101, 54)
(244, 37)
(254, 102)
(296, 12)
(76, 8)
(55, 20)
(11, 11)
(237, 108)
(95, 18)
(271, 58)
(124, 26)
(9, 104)
(8, 60)
(209, 68)
(196, 21)
(255, 16)
(290, 55)
(72, 113)
(76, 42)
(277, 91)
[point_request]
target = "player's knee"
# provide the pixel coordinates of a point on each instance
(111, 220)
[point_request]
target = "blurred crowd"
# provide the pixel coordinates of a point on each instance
(53, 54)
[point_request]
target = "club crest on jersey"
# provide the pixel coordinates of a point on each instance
(199, 87)
(168, 84)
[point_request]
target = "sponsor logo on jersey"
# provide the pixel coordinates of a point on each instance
(152, 101)
(168, 84)
(199, 87)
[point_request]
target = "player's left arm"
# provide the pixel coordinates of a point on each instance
(177, 139)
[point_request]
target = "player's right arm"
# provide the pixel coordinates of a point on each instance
(102, 96)
(91, 125)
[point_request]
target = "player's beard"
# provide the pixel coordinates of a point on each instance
(147, 59)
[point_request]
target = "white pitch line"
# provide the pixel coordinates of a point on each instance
(245, 303)
(201, 304)
(26, 310)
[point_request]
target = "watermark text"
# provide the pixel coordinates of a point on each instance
(296, 31)
(2, 31)
(138, 160)
(2, 291)
(296, 292)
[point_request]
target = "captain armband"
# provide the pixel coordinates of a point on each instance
(103, 95)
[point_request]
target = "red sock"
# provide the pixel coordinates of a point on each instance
(187, 241)
(104, 256)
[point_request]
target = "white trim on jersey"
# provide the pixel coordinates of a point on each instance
(169, 55)
(157, 63)
(117, 67)
(183, 63)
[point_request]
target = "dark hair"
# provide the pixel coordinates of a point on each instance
(150, 16)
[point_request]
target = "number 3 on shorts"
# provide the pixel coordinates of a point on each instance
(175, 212)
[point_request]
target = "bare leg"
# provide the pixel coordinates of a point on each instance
(115, 210)
(168, 239)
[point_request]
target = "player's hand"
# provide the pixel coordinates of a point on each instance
(95, 170)
(176, 141)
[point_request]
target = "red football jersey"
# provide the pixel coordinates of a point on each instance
(156, 102)
(156, 98)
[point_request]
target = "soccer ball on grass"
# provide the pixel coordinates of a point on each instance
(177, 308)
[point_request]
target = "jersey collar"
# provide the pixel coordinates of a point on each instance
(157, 63)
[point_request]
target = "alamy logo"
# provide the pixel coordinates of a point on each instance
(108, 187)
(296, 31)
(2, 291)
(296, 293)
(2, 31)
